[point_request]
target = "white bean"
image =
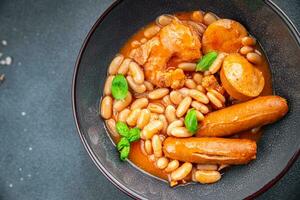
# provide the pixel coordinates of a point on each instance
(144, 118)
(207, 177)
(107, 85)
(198, 27)
(135, 87)
(136, 73)
(176, 97)
(218, 95)
(174, 124)
(254, 58)
(180, 132)
(197, 16)
(214, 100)
(200, 88)
(165, 123)
(201, 107)
(151, 129)
(216, 65)
(115, 64)
(158, 93)
(156, 146)
(106, 107)
(246, 49)
(190, 67)
(142, 147)
(140, 95)
(184, 91)
(173, 165)
(111, 126)
(164, 20)
(148, 147)
(199, 96)
(199, 115)
(119, 105)
(162, 163)
(181, 172)
(170, 113)
(197, 77)
(156, 108)
(248, 41)
(166, 100)
(189, 83)
(139, 103)
(183, 106)
(258, 52)
(149, 86)
(209, 18)
(133, 117)
(122, 116)
(123, 69)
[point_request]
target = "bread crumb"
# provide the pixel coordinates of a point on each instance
(4, 42)
(8, 60)
(2, 78)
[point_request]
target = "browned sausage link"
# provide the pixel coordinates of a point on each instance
(244, 116)
(210, 150)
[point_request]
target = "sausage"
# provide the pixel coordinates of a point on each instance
(240, 78)
(244, 116)
(210, 150)
(223, 35)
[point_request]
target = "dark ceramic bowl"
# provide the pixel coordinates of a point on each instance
(279, 146)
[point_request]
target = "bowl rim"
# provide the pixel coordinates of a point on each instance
(92, 155)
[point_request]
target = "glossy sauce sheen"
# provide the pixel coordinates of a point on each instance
(136, 155)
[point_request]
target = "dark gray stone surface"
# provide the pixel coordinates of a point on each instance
(41, 156)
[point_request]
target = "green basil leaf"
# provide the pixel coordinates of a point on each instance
(190, 121)
(122, 129)
(134, 134)
(124, 153)
(119, 87)
(206, 61)
(123, 143)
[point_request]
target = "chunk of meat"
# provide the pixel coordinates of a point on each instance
(223, 35)
(211, 83)
(141, 54)
(240, 78)
(174, 43)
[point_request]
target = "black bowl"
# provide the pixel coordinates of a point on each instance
(279, 146)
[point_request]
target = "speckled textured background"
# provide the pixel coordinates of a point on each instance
(41, 156)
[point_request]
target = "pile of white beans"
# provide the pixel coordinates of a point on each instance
(160, 112)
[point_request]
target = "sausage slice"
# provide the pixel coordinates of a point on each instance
(240, 78)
